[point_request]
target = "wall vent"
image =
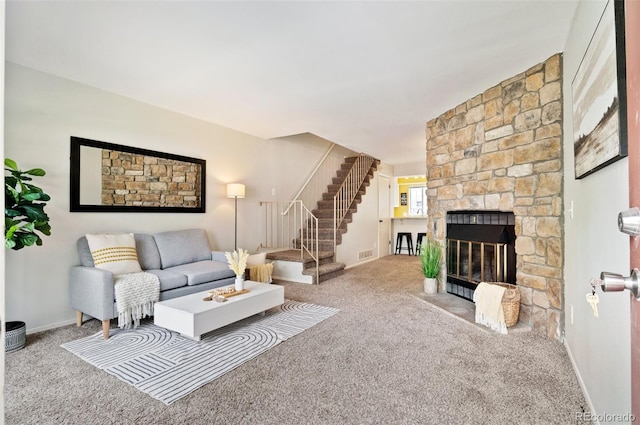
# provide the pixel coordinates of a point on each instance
(365, 254)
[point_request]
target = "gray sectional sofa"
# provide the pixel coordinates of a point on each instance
(182, 260)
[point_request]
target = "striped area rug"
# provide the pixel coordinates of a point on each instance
(168, 366)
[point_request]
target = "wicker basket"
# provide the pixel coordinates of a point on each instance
(15, 336)
(510, 303)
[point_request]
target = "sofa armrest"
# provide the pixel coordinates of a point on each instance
(91, 292)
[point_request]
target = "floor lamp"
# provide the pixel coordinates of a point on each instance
(235, 190)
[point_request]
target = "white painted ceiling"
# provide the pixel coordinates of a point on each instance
(366, 75)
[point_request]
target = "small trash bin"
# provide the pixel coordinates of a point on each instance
(15, 336)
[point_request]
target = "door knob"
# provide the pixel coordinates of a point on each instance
(613, 282)
(629, 222)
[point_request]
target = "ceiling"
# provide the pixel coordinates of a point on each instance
(366, 75)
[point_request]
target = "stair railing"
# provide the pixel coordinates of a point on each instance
(348, 191)
(291, 225)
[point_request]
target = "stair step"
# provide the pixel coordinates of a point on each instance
(323, 233)
(342, 173)
(327, 224)
(335, 184)
(329, 276)
(349, 161)
(338, 181)
(326, 196)
(294, 256)
(346, 166)
(325, 272)
(324, 268)
(328, 213)
(328, 205)
(323, 244)
(324, 223)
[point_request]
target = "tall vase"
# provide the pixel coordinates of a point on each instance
(239, 283)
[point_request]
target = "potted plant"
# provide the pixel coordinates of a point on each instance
(238, 263)
(24, 219)
(430, 259)
(24, 204)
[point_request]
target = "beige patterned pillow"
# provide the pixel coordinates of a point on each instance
(114, 252)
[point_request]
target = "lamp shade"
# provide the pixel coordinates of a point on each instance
(235, 190)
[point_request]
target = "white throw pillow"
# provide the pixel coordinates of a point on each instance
(256, 259)
(114, 252)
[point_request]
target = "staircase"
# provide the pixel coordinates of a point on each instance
(330, 221)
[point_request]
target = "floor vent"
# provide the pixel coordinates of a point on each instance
(365, 254)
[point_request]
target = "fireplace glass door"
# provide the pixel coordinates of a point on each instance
(476, 261)
(480, 248)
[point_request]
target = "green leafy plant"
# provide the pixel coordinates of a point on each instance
(24, 204)
(430, 258)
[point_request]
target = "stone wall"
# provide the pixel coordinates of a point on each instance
(129, 179)
(502, 151)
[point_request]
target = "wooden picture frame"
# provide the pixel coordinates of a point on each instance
(599, 96)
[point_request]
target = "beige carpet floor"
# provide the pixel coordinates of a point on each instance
(385, 358)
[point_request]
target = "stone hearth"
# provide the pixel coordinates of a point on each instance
(502, 151)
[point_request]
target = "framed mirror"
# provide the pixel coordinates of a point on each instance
(106, 177)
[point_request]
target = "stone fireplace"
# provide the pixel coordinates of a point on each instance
(501, 151)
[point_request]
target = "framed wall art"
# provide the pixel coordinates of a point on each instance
(599, 96)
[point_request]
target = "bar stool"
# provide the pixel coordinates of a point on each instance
(419, 242)
(399, 239)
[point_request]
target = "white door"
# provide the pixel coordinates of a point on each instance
(384, 216)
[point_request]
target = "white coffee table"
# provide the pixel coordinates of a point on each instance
(192, 317)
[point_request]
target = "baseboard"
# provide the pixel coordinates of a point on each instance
(359, 263)
(580, 381)
(50, 326)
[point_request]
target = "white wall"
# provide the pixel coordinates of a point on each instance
(362, 232)
(43, 111)
(599, 347)
(417, 168)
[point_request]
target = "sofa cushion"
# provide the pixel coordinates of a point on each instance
(84, 253)
(203, 271)
(116, 253)
(219, 256)
(148, 255)
(256, 259)
(169, 279)
(182, 247)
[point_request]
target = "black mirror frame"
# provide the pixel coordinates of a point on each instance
(76, 206)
